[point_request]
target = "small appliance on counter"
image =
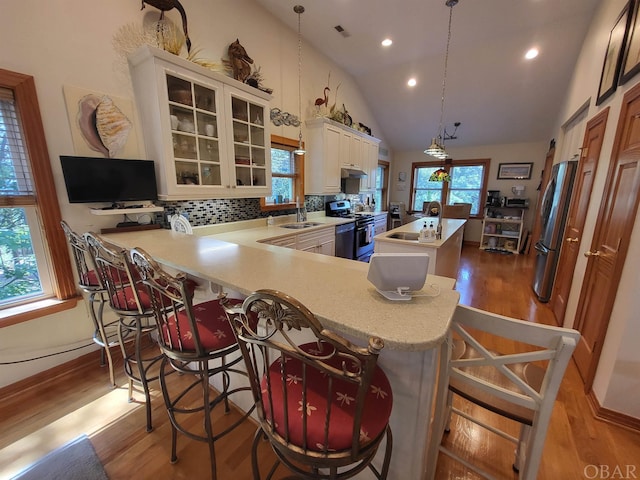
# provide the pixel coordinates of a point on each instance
(493, 198)
(516, 202)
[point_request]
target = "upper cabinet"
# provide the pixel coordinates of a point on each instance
(208, 133)
(332, 147)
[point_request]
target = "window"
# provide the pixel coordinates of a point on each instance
(287, 177)
(382, 184)
(468, 184)
(34, 259)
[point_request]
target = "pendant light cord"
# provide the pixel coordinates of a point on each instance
(299, 9)
(450, 4)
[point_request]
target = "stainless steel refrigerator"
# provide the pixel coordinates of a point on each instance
(553, 213)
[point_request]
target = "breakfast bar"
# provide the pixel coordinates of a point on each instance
(336, 290)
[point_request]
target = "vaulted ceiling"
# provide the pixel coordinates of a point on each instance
(496, 95)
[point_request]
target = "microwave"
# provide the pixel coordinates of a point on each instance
(517, 202)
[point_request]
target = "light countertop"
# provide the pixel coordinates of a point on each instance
(450, 227)
(335, 289)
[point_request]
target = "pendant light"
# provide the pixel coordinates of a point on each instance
(299, 9)
(436, 149)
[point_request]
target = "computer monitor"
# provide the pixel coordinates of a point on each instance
(396, 275)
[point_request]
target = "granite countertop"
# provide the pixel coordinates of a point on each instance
(449, 227)
(335, 289)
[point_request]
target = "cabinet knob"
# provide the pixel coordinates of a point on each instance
(597, 253)
(572, 240)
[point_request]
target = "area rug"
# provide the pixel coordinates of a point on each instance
(76, 460)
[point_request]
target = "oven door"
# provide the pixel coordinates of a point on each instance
(364, 241)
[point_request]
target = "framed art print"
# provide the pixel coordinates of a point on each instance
(613, 57)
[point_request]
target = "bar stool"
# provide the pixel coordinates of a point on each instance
(104, 335)
(324, 406)
(129, 300)
(196, 340)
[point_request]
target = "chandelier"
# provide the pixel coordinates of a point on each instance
(436, 149)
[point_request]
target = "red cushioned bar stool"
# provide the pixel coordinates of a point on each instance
(196, 340)
(105, 334)
(324, 406)
(129, 300)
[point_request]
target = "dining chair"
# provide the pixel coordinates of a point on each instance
(457, 210)
(324, 405)
(129, 300)
(196, 340)
(519, 386)
(105, 333)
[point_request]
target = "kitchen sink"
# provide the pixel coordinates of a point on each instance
(297, 226)
(413, 236)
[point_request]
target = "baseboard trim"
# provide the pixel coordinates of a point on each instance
(47, 375)
(611, 416)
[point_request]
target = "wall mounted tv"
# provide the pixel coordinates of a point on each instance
(113, 180)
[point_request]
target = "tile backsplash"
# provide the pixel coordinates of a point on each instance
(208, 212)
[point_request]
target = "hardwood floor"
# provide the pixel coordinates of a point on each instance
(44, 416)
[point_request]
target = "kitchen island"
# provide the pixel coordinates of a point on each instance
(337, 292)
(444, 253)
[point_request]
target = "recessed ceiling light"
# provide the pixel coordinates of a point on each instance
(531, 54)
(412, 82)
(387, 42)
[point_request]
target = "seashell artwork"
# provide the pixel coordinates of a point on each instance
(103, 125)
(113, 126)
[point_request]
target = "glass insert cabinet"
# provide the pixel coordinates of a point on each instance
(208, 133)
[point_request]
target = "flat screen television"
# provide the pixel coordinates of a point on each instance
(113, 180)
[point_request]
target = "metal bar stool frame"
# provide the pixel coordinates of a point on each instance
(94, 295)
(337, 380)
(128, 300)
(193, 338)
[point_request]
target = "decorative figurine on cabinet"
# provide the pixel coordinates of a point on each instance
(165, 6)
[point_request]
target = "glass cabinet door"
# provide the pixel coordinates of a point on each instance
(193, 110)
(249, 142)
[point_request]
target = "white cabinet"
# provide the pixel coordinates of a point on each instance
(321, 241)
(370, 148)
(379, 223)
(208, 132)
(331, 147)
(502, 229)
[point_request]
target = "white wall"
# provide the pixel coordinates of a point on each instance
(507, 153)
(616, 384)
(69, 42)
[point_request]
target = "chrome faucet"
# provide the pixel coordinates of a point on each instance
(301, 214)
(438, 206)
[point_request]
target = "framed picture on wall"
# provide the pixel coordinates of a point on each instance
(613, 56)
(631, 58)
(519, 171)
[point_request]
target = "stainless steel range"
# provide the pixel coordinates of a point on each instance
(362, 243)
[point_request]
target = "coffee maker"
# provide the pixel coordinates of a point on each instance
(493, 198)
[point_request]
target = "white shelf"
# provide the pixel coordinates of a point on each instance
(502, 236)
(125, 211)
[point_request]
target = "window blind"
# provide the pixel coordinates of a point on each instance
(16, 185)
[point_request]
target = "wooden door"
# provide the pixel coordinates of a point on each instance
(583, 185)
(544, 180)
(611, 239)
